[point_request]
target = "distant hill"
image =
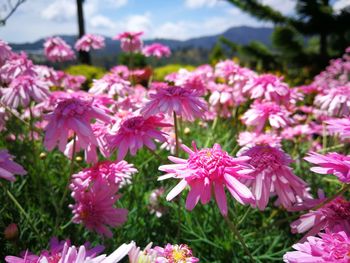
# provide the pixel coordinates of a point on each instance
(240, 35)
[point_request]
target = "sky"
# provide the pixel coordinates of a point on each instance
(173, 19)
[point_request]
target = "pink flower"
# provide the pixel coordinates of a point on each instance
(8, 168)
(250, 139)
(90, 41)
(333, 216)
(94, 205)
(71, 82)
(5, 52)
(175, 254)
(261, 113)
(185, 103)
(56, 49)
(22, 90)
(16, 65)
(330, 247)
(268, 87)
(206, 169)
(111, 84)
(72, 114)
(272, 175)
(156, 50)
(130, 41)
(340, 127)
(134, 132)
(331, 163)
(335, 101)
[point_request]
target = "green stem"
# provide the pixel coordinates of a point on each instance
(156, 155)
(176, 135)
(235, 230)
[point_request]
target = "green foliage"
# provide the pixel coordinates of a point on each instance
(134, 60)
(161, 72)
(90, 72)
(216, 54)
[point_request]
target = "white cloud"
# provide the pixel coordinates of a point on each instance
(340, 4)
(286, 7)
(200, 3)
(138, 23)
(118, 3)
(100, 21)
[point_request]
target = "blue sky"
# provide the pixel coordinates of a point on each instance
(175, 19)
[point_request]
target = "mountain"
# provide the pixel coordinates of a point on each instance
(239, 35)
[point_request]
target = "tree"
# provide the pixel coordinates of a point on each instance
(8, 9)
(84, 57)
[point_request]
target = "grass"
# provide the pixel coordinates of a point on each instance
(266, 233)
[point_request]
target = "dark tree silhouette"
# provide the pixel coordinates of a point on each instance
(8, 9)
(84, 57)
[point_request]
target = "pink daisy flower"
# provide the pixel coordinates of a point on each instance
(183, 102)
(8, 168)
(333, 216)
(134, 132)
(130, 41)
(111, 84)
(56, 49)
(22, 90)
(72, 114)
(335, 101)
(207, 169)
(250, 139)
(175, 254)
(156, 50)
(329, 247)
(94, 206)
(261, 113)
(71, 82)
(340, 127)
(5, 52)
(90, 41)
(268, 87)
(273, 176)
(331, 163)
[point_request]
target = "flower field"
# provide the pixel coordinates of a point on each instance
(216, 164)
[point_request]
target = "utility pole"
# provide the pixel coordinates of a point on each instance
(84, 57)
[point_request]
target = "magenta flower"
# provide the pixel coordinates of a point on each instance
(331, 163)
(156, 50)
(5, 52)
(90, 41)
(175, 254)
(184, 102)
(250, 139)
(272, 175)
(333, 216)
(72, 114)
(56, 49)
(261, 113)
(8, 168)
(206, 169)
(330, 247)
(340, 127)
(130, 41)
(94, 206)
(134, 132)
(335, 101)
(22, 90)
(111, 84)
(268, 87)
(71, 82)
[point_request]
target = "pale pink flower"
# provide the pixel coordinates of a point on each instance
(170, 143)
(330, 247)
(22, 90)
(72, 114)
(207, 169)
(268, 87)
(183, 102)
(335, 101)
(56, 49)
(340, 127)
(175, 254)
(333, 216)
(193, 81)
(147, 255)
(8, 168)
(331, 163)
(121, 70)
(111, 84)
(94, 206)
(71, 82)
(261, 113)
(134, 132)
(250, 139)
(154, 199)
(156, 50)
(130, 41)
(89, 41)
(273, 176)
(222, 98)
(5, 52)
(16, 65)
